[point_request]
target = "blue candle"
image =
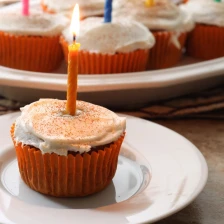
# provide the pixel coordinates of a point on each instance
(107, 11)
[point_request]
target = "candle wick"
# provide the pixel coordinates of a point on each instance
(74, 38)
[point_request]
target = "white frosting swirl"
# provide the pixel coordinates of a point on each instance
(44, 125)
(164, 15)
(87, 7)
(110, 38)
(36, 24)
(206, 11)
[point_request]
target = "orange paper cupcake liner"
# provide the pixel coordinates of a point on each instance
(32, 53)
(206, 42)
(67, 176)
(165, 54)
(92, 63)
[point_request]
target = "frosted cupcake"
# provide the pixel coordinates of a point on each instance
(87, 7)
(111, 47)
(31, 42)
(67, 156)
(168, 23)
(206, 41)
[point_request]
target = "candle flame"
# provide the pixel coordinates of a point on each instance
(75, 25)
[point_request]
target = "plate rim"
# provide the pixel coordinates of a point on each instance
(202, 183)
(203, 164)
(112, 82)
(203, 178)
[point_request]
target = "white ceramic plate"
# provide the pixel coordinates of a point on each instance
(179, 173)
(120, 91)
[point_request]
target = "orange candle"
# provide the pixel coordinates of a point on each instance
(149, 3)
(73, 51)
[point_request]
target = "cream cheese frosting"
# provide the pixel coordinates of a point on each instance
(164, 15)
(36, 24)
(110, 38)
(87, 7)
(45, 125)
(206, 11)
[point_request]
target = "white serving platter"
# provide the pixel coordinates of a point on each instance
(126, 90)
(118, 91)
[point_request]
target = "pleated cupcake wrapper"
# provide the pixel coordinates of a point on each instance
(64, 45)
(46, 9)
(32, 53)
(92, 63)
(165, 54)
(67, 176)
(206, 42)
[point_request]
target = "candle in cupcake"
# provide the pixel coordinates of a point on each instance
(68, 156)
(73, 50)
(107, 11)
(25, 5)
(149, 3)
(30, 39)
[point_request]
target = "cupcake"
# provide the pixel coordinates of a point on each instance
(120, 46)
(206, 41)
(88, 8)
(67, 156)
(168, 23)
(31, 42)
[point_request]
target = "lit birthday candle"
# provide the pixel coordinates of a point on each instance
(25, 5)
(73, 51)
(149, 3)
(107, 11)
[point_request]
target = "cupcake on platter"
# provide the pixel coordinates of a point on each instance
(63, 155)
(206, 41)
(31, 42)
(116, 47)
(168, 23)
(87, 7)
